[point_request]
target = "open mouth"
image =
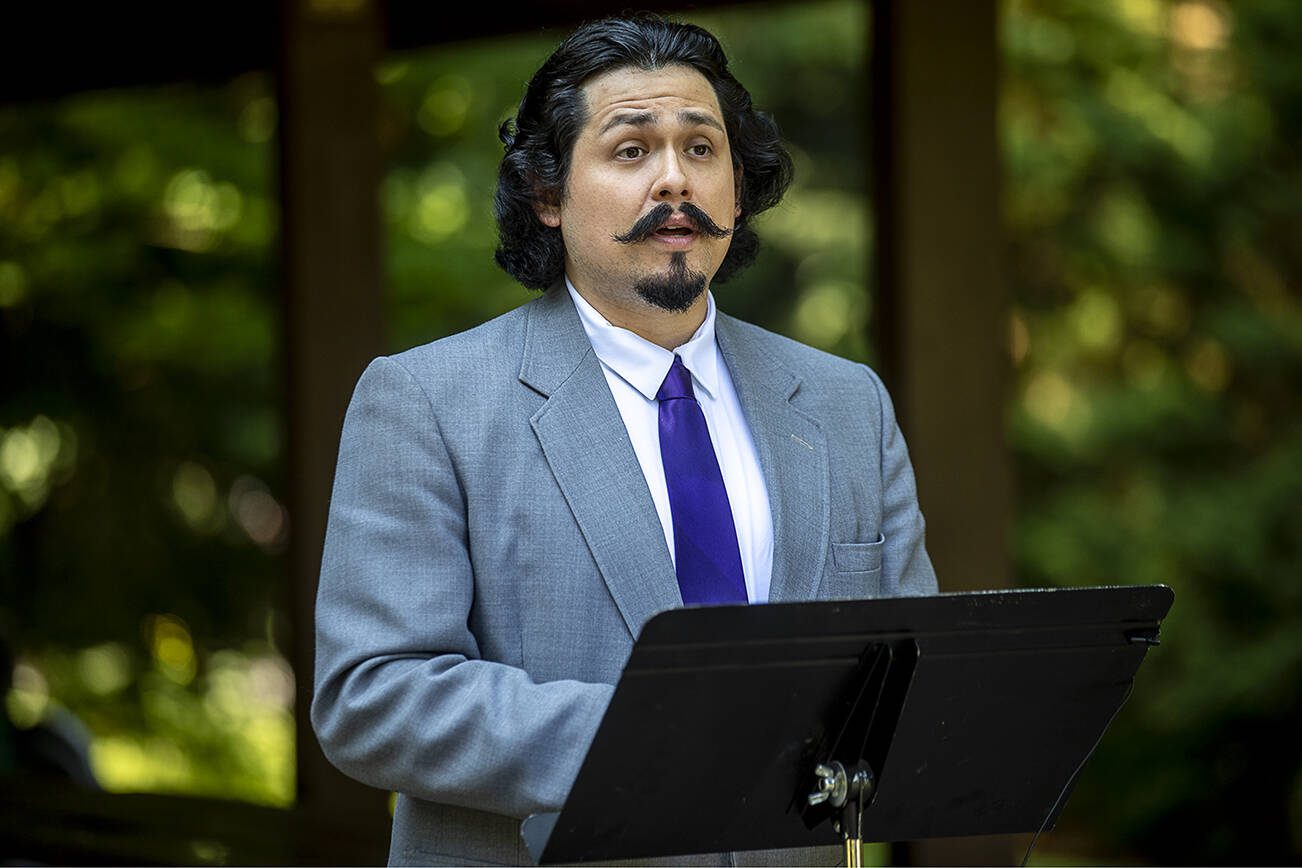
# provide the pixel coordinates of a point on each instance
(675, 232)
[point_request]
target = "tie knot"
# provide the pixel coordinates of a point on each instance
(678, 382)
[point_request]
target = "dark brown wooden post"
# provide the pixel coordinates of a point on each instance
(942, 304)
(330, 166)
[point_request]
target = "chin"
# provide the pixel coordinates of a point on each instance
(674, 290)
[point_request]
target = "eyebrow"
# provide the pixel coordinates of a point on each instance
(689, 117)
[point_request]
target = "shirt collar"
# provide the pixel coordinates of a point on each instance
(642, 364)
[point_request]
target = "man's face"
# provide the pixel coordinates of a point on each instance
(651, 139)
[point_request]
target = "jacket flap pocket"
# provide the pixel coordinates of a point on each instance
(858, 557)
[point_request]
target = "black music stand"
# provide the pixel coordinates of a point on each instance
(801, 724)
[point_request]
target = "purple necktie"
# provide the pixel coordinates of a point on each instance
(706, 556)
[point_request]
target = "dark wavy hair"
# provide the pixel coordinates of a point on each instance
(540, 138)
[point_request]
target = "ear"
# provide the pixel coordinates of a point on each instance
(738, 176)
(549, 214)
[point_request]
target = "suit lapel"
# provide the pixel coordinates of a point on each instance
(793, 455)
(586, 445)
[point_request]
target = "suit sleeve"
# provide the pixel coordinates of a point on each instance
(906, 567)
(402, 700)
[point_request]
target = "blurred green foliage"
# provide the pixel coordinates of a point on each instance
(1154, 210)
(158, 724)
(1152, 199)
(140, 433)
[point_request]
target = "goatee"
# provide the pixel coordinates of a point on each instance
(674, 290)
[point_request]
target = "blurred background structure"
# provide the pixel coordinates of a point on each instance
(1067, 232)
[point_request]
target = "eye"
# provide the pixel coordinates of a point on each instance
(630, 152)
(700, 150)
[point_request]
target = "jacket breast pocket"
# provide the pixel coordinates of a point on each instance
(858, 557)
(856, 570)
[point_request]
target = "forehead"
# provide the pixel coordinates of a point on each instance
(670, 89)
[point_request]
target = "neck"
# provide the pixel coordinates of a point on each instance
(664, 328)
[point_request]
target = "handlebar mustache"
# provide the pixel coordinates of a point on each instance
(652, 220)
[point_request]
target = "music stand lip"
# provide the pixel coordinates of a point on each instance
(1066, 654)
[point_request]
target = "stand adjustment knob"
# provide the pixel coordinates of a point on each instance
(830, 785)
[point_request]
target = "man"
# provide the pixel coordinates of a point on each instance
(513, 503)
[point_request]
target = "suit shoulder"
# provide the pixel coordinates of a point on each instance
(811, 364)
(478, 349)
(472, 365)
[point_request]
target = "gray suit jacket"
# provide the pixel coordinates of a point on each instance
(493, 551)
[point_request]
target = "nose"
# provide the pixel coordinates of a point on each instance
(672, 183)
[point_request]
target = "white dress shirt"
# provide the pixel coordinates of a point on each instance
(635, 368)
